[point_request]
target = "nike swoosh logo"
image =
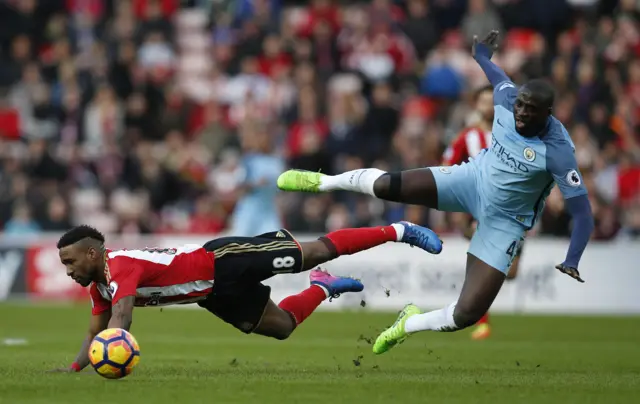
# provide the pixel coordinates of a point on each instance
(500, 123)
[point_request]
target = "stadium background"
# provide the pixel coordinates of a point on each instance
(141, 117)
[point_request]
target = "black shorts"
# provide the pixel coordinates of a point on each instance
(241, 264)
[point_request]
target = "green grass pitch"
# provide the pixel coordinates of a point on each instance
(188, 356)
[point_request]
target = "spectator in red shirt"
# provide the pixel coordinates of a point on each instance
(628, 180)
(322, 10)
(207, 218)
(273, 56)
(308, 121)
(141, 7)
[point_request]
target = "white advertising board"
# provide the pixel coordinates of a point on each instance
(395, 274)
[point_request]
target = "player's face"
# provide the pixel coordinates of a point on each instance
(529, 113)
(80, 263)
(484, 105)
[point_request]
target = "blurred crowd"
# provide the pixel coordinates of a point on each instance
(168, 116)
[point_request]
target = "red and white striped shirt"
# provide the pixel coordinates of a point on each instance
(468, 144)
(155, 276)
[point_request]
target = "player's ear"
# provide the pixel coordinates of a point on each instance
(91, 253)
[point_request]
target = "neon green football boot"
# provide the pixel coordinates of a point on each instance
(300, 181)
(395, 334)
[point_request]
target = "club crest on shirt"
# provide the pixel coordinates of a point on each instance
(529, 154)
(573, 178)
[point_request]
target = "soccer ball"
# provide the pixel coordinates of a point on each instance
(114, 353)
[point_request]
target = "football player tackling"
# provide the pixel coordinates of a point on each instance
(469, 143)
(504, 188)
(224, 276)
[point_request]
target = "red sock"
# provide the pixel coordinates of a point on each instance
(304, 303)
(351, 241)
(484, 319)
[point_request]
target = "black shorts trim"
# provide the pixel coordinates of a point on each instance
(246, 248)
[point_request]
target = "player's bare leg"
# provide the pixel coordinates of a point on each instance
(467, 226)
(481, 286)
(483, 327)
(417, 187)
(276, 322)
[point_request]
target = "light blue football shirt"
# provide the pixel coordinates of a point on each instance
(257, 212)
(518, 173)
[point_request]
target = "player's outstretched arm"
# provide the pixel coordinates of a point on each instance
(579, 208)
(97, 324)
(482, 51)
(122, 313)
(562, 165)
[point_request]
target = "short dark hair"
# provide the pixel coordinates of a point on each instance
(542, 90)
(479, 91)
(79, 233)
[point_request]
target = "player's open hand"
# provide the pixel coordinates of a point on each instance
(572, 272)
(490, 42)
